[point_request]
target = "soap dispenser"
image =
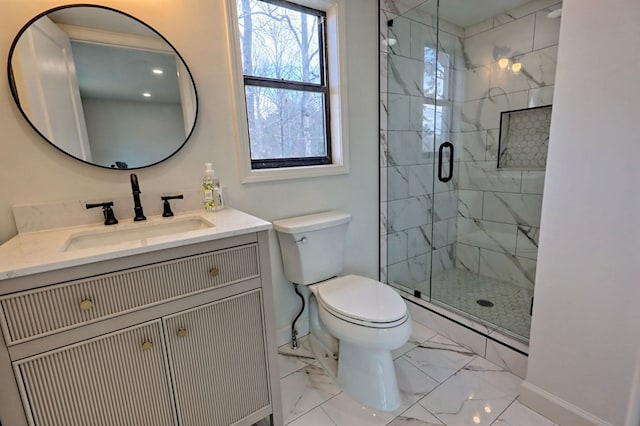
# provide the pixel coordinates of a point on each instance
(212, 192)
(207, 188)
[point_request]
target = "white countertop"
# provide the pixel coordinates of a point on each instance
(35, 252)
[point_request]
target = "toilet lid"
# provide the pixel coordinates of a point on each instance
(362, 298)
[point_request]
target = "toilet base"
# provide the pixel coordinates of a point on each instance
(366, 374)
(369, 376)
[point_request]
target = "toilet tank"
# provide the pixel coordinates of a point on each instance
(312, 246)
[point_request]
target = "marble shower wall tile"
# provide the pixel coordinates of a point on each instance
(445, 205)
(405, 75)
(508, 40)
(421, 179)
(489, 235)
(484, 114)
(527, 242)
(483, 176)
(547, 29)
(411, 273)
(520, 209)
(468, 258)
(396, 246)
(540, 97)
(440, 234)
(421, 36)
(398, 107)
(470, 204)
(473, 146)
(443, 259)
(477, 80)
(408, 213)
(532, 182)
(399, 30)
(397, 182)
(538, 70)
(404, 148)
(420, 240)
(507, 267)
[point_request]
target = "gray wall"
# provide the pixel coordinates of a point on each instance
(133, 132)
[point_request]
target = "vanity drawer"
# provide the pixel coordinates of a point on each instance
(39, 312)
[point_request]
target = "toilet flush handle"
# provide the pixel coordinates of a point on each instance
(301, 240)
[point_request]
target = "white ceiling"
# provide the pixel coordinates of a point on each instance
(113, 72)
(118, 72)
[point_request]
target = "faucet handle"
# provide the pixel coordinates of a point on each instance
(166, 206)
(109, 216)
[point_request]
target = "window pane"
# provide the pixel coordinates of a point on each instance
(432, 119)
(278, 43)
(436, 74)
(285, 123)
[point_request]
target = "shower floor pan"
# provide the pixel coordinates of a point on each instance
(468, 293)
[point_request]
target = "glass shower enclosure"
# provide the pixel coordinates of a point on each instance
(466, 94)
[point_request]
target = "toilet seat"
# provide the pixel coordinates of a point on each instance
(361, 301)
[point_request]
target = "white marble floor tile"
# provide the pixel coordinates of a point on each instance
(290, 360)
(477, 394)
(413, 383)
(305, 389)
(416, 416)
(344, 411)
(440, 357)
(495, 375)
(519, 415)
(315, 417)
(419, 334)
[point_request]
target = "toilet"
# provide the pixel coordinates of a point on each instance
(355, 322)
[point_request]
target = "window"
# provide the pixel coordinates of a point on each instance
(437, 105)
(286, 90)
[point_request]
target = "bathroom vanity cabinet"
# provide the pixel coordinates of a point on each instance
(178, 336)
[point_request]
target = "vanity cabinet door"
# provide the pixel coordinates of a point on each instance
(218, 361)
(116, 379)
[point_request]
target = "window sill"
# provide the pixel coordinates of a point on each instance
(269, 175)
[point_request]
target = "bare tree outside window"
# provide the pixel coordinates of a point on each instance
(286, 92)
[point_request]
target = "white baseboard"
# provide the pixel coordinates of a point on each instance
(556, 409)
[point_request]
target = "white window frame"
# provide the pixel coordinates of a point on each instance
(337, 72)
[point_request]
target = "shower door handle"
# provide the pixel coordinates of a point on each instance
(444, 145)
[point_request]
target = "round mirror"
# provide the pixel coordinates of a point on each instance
(102, 86)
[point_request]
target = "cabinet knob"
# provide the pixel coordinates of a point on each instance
(182, 332)
(147, 345)
(86, 304)
(214, 271)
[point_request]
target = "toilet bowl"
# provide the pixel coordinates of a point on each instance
(355, 322)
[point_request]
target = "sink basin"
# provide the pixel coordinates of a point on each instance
(135, 232)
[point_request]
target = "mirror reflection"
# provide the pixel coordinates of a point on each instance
(102, 86)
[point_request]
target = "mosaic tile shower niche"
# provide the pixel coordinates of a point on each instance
(524, 138)
(448, 75)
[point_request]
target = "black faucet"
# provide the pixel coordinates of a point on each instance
(109, 217)
(137, 206)
(166, 206)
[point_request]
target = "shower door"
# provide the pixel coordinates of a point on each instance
(461, 201)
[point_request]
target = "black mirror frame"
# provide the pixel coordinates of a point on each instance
(14, 92)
